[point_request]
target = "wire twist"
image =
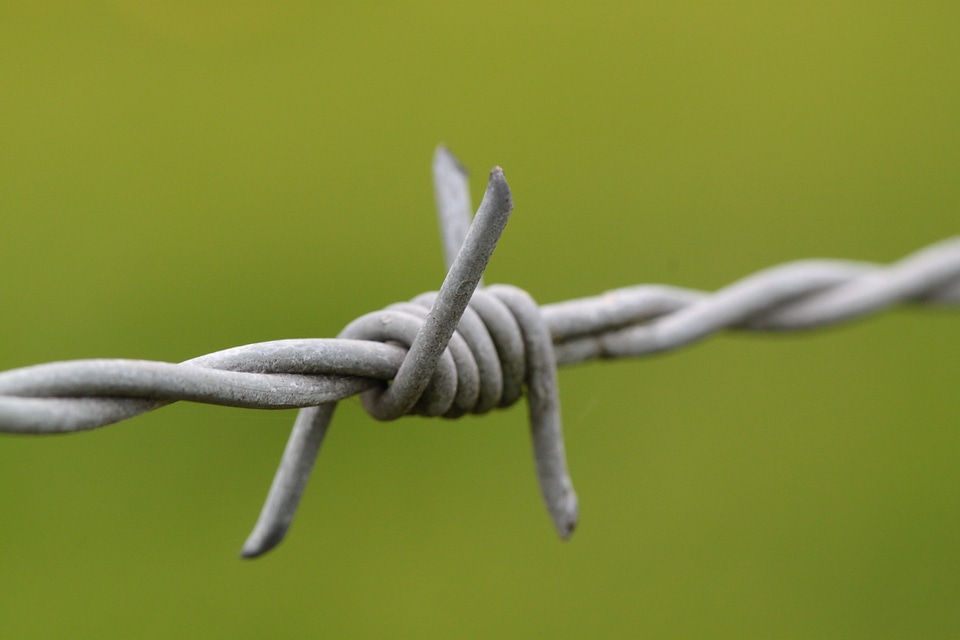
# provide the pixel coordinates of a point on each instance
(464, 349)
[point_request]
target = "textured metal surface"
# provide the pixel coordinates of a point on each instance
(464, 349)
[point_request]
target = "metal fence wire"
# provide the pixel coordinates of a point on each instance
(465, 349)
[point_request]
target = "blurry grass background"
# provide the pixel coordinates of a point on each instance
(181, 177)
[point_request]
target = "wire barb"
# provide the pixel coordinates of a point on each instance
(429, 332)
(452, 191)
(464, 349)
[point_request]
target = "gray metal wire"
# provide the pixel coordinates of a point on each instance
(464, 349)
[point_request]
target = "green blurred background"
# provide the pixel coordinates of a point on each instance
(181, 177)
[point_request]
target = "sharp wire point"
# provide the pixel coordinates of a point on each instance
(290, 480)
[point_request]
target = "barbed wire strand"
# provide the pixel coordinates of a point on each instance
(465, 349)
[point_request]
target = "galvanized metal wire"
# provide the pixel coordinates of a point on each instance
(464, 349)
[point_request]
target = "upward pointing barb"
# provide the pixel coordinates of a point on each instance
(452, 191)
(462, 279)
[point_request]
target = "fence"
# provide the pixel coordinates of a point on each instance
(464, 349)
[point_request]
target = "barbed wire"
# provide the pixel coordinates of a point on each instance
(464, 349)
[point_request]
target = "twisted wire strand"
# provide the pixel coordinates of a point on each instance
(464, 349)
(805, 294)
(62, 397)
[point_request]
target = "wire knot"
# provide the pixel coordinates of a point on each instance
(482, 367)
